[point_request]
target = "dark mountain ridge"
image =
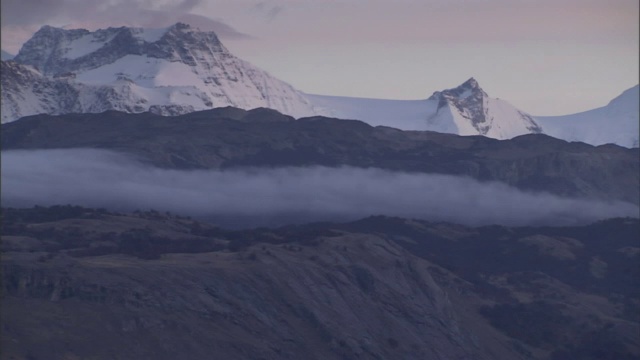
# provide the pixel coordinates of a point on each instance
(85, 283)
(230, 137)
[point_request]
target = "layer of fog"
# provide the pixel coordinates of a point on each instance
(259, 197)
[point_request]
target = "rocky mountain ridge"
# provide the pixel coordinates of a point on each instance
(56, 51)
(230, 137)
(84, 283)
(170, 71)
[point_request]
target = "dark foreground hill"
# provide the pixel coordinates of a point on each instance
(89, 284)
(230, 137)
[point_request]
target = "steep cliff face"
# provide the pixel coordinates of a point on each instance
(169, 71)
(26, 91)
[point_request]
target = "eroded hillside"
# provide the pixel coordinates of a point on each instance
(82, 283)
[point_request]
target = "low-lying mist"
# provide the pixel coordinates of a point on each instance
(276, 196)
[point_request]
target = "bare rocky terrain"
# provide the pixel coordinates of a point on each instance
(83, 283)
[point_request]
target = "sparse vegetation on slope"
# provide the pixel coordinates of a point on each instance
(109, 285)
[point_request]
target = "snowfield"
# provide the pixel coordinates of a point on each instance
(616, 123)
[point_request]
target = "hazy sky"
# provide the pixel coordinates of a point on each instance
(546, 57)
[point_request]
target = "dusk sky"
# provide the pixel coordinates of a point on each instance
(546, 57)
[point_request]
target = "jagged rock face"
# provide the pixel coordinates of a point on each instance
(475, 113)
(469, 100)
(47, 50)
(169, 71)
(57, 51)
(27, 91)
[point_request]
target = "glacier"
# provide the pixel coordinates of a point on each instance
(617, 122)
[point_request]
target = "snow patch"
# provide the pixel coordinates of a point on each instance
(149, 35)
(83, 46)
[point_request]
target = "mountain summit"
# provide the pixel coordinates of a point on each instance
(474, 113)
(54, 51)
(172, 70)
(469, 88)
(463, 110)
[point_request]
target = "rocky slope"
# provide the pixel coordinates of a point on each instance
(168, 71)
(82, 283)
(229, 137)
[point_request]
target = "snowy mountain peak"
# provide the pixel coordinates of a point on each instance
(464, 110)
(468, 89)
(180, 42)
(171, 70)
(55, 51)
(473, 112)
(179, 69)
(471, 83)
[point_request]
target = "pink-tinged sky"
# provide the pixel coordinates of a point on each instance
(546, 57)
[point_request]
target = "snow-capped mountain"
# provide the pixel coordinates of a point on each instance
(25, 91)
(464, 110)
(468, 110)
(617, 122)
(179, 69)
(169, 71)
(474, 113)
